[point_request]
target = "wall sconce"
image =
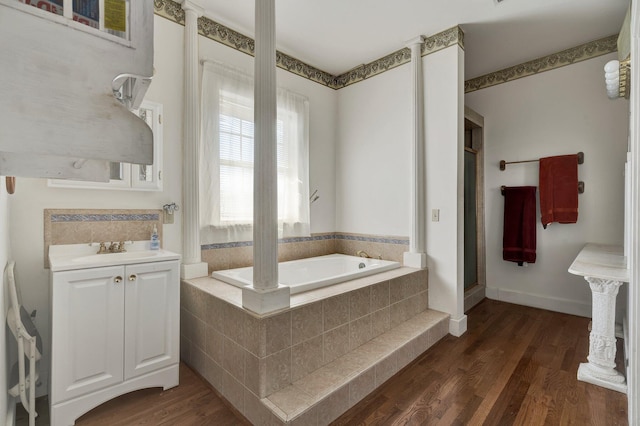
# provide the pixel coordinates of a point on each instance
(612, 78)
(617, 77)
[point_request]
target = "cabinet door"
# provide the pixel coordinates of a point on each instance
(87, 331)
(152, 317)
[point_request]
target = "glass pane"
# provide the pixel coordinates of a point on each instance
(87, 12)
(470, 225)
(115, 17)
(115, 172)
(53, 6)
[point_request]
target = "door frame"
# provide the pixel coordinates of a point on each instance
(474, 295)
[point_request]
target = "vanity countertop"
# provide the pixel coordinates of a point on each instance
(601, 261)
(67, 257)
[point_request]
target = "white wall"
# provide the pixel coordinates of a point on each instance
(444, 109)
(373, 166)
(373, 155)
(4, 298)
(563, 111)
(33, 195)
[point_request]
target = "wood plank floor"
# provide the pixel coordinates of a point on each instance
(514, 366)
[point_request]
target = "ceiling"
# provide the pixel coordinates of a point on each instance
(338, 35)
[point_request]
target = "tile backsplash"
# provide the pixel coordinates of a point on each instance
(77, 226)
(240, 254)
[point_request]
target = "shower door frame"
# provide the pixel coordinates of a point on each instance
(475, 294)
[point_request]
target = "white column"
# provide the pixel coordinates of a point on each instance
(416, 256)
(192, 265)
(600, 370)
(265, 295)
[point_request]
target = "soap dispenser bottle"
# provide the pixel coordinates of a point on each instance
(155, 240)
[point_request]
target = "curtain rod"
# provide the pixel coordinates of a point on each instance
(503, 164)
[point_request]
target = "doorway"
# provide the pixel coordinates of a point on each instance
(474, 246)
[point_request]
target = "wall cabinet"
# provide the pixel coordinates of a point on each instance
(67, 91)
(114, 329)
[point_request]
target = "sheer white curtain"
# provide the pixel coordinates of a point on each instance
(226, 158)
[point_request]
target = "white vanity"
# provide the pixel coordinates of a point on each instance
(604, 267)
(115, 325)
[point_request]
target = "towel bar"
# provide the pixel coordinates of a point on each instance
(503, 164)
(580, 188)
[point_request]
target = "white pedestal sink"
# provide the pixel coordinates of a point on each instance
(604, 268)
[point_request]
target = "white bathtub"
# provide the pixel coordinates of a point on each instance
(314, 272)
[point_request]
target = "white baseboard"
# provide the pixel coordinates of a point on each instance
(556, 304)
(457, 327)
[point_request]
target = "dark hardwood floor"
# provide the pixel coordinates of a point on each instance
(514, 366)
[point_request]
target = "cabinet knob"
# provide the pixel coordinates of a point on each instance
(132, 277)
(117, 279)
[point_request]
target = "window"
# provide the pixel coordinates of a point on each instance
(107, 16)
(127, 176)
(226, 158)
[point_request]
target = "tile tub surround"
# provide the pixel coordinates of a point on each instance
(77, 226)
(240, 254)
(254, 361)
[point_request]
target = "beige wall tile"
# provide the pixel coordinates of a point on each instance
(319, 383)
(233, 361)
(306, 322)
(336, 343)
(217, 259)
(185, 349)
(291, 400)
(362, 385)
(394, 252)
(233, 391)
(239, 257)
(386, 368)
(255, 374)
(257, 413)
(379, 296)
(332, 406)
(199, 360)
(215, 344)
(193, 300)
(233, 320)
(380, 322)
(255, 335)
(308, 418)
(214, 312)
(198, 333)
(278, 332)
(306, 357)
(186, 319)
(71, 232)
(278, 371)
(213, 375)
(400, 312)
(335, 311)
(359, 332)
(359, 303)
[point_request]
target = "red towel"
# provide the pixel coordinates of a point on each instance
(519, 238)
(559, 189)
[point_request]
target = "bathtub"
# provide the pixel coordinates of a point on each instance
(314, 272)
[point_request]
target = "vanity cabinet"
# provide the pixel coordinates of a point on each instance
(114, 329)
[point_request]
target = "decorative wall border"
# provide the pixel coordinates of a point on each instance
(432, 44)
(172, 10)
(570, 56)
(103, 217)
(316, 237)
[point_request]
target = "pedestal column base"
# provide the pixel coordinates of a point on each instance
(266, 301)
(607, 379)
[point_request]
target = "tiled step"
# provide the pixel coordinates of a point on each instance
(323, 395)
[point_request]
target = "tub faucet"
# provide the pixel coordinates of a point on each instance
(363, 253)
